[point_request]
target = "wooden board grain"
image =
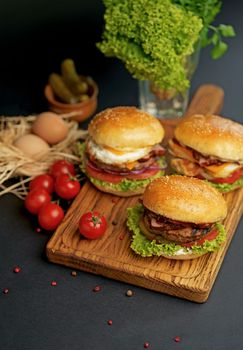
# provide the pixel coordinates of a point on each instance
(111, 255)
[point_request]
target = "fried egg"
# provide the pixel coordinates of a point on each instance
(112, 156)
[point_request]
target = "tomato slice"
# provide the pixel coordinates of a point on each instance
(231, 179)
(208, 237)
(103, 176)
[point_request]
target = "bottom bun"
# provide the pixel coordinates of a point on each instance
(184, 256)
(120, 193)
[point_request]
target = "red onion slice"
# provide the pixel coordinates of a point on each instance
(123, 173)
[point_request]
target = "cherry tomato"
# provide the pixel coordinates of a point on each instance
(66, 186)
(62, 167)
(42, 181)
(231, 179)
(92, 225)
(36, 199)
(50, 216)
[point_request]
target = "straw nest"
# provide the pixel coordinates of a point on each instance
(15, 164)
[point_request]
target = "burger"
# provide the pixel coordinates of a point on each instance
(209, 147)
(122, 153)
(179, 218)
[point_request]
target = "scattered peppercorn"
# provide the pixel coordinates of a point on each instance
(121, 238)
(146, 345)
(74, 273)
(177, 339)
(17, 269)
(114, 222)
(97, 289)
(5, 291)
(114, 200)
(38, 229)
(129, 293)
(109, 322)
(54, 283)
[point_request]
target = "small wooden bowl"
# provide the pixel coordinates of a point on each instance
(85, 109)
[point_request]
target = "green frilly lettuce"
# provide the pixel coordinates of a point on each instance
(126, 184)
(145, 247)
(227, 187)
(153, 38)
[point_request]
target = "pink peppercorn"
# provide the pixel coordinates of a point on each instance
(54, 283)
(109, 322)
(38, 229)
(17, 269)
(177, 339)
(146, 345)
(97, 289)
(5, 291)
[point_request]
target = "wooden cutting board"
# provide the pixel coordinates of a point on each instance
(111, 255)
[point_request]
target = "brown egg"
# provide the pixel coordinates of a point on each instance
(50, 127)
(32, 146)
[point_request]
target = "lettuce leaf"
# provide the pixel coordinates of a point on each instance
(126, 184)
(145, 247)
(227, 187)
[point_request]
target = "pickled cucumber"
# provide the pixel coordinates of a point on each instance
(84, 98)
(61, 90)
(72, 79)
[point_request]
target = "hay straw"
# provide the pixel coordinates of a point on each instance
(15, 164)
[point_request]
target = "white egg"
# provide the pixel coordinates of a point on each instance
(108, 157)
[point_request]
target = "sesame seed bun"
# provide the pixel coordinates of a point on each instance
(125, 128)
(212, 135)
(185, 199)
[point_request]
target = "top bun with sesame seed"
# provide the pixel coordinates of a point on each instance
(125, 128)
(209, 147)
(212, 135)
(185, 199)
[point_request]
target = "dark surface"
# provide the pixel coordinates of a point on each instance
(34, 38)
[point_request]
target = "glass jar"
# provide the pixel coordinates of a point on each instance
(167, 103)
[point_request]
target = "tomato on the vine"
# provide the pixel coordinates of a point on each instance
(42, 181)
(62, 167)
(36, 199)
(50, 216)
(66, 186)
(92, 225)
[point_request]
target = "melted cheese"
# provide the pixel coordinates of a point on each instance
(222, 170)
(131, 165)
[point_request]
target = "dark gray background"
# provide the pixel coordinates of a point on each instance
(34, 37)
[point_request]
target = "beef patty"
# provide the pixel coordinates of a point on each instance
(161, 228)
